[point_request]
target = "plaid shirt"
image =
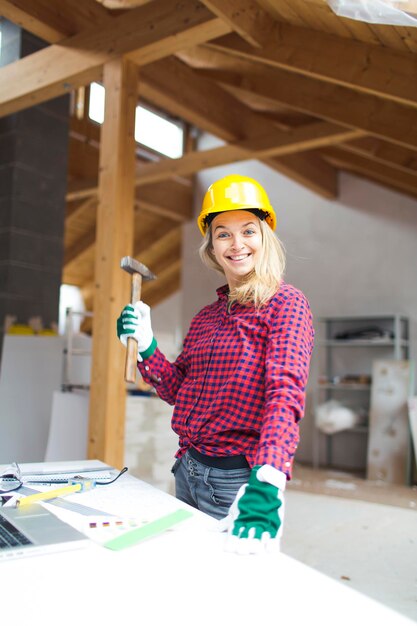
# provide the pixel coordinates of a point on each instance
(239, 383)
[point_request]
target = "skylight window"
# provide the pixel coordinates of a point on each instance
(158, 133)
(151, 130)
(96, 104)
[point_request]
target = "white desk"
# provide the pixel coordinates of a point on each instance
(180, 577)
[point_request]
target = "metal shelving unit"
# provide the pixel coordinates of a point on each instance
(343, 359)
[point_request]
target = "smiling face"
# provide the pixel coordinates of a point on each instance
(237, 242)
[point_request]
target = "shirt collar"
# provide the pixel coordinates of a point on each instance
(222, 292)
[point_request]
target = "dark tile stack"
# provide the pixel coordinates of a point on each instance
(33, 181)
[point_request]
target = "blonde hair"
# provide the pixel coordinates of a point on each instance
(263, 282)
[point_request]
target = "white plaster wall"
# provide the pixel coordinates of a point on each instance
(356, 255)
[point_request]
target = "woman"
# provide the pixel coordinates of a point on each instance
(239, 383)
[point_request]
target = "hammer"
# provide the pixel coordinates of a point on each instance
(138, 272)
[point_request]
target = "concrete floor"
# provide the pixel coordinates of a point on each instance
(361, 533)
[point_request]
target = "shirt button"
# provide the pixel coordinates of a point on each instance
(147, 368)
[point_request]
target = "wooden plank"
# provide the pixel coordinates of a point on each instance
(385, 175)
(154, 30)
(243, 16)
(388, 120)
(357, 65)
(115, 227)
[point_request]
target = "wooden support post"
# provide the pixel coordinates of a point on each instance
(114, 239)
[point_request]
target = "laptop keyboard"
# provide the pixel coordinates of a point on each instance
(10, 536)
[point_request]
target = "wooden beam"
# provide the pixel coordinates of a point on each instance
(310, 171)
(180, 215)
(385, 153)
(173, 201)
(163, 252)
(245, 17)
(35, 19)
(167, 283)
(386, 176)
(362, 67)
(75, 209)
(391, 121)
(149, 32)
(151, 249)
(274, 143)
(178, 89)
(82, 243)
(115, 228)
(53, 21)
(203, 30)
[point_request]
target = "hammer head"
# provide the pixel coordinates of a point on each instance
(135, 267)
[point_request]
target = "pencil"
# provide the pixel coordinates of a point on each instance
(48, 495)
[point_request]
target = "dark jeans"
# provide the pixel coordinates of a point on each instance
(209, 489)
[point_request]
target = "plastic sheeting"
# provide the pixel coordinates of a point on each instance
(332, 417)
(399, 13)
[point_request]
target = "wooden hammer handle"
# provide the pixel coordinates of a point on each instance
(131, 363)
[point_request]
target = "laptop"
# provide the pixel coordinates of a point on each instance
(33, 530)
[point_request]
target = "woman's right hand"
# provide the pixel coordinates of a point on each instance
(135, 321)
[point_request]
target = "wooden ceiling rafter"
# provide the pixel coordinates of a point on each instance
(286, 82)
(400, 181)
(364, 68)
(389, 120)
(53, 21)
(388, 154)
(147, 201)
(245, 17)
(148, 33)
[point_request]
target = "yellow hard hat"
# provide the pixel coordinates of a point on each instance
(234, 193)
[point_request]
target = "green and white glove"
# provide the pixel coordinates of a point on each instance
(135, 321)
(255, 519)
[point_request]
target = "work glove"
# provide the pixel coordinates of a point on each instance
(255, 519)
(135, 321)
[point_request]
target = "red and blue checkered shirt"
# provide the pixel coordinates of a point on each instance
(239, 383)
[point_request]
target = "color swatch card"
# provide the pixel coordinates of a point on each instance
(118, 533)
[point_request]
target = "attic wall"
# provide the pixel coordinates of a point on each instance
(353, 256)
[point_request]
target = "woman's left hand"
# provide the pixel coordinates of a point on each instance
(255, 519)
